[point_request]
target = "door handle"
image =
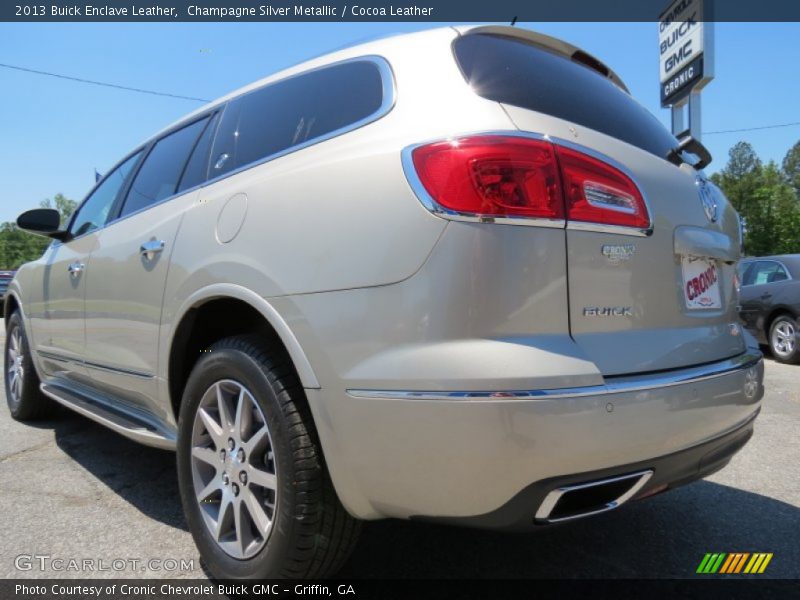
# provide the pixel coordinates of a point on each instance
(75, 269)
(766, 295)
(150, 249)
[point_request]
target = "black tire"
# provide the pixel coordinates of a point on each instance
(29, 404)
(780, 352)
(312, 535)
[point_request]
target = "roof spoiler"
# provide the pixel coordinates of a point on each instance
(549, 43)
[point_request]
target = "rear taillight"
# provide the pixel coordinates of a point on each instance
(492, 176)
(516, 177)
(596, 192)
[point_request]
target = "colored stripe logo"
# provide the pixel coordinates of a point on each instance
(734, 563)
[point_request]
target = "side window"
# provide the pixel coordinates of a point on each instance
(197, 168)
(94, 212)
(746, 271)
(767, 271)
(294, 111)
(159, 174)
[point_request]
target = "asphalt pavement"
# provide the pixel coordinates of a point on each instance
(73, 491)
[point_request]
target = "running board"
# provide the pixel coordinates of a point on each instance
(133, 427)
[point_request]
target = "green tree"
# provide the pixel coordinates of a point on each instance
(767, 203)
(740, 178)
(791, 167)
(63, 205)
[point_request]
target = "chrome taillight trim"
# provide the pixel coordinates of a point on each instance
(440, 211)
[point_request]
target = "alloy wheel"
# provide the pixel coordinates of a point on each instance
(784, 338)
(15, 366)
(234, 469)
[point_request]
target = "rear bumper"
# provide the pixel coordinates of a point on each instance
(488, 458)
(668, 472)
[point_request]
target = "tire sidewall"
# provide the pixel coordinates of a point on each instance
(240, 367)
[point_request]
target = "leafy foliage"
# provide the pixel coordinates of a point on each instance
(767, 198)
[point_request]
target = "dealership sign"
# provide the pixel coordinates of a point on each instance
(682, 40)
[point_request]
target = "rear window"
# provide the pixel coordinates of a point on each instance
(515, 72)
(295, 111)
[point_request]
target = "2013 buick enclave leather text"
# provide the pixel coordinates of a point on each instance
(459, 275)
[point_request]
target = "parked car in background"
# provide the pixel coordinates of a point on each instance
(459, 276)
(5, 279)
(769, 302)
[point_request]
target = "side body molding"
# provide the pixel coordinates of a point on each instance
(229, 290)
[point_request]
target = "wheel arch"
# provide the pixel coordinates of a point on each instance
(11, 303)
(241, 311)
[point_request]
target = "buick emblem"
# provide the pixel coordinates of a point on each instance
(708, 200)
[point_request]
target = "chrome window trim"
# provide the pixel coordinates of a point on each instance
(552, 498)
(387, 104)
(437, 209)
(613, 385)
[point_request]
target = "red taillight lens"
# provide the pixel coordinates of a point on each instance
(492, 176)
(509, 176)
(596, 192)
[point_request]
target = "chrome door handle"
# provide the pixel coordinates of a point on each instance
(151, 248)
(75, 269)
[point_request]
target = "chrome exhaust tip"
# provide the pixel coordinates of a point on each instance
(580, 500)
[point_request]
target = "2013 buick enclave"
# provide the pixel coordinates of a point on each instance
(459, 275)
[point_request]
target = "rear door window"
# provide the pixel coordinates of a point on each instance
(197, 168)
(765, 271)
(158, 176)
(296, 111)
(516, 72)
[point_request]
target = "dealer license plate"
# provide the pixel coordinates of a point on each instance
(700, 283)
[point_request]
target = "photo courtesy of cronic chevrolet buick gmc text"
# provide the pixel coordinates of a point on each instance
(458, 275)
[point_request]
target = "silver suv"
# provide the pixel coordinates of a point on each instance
(459, 275)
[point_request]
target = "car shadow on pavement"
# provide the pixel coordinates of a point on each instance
(664, 536)
(143, 476)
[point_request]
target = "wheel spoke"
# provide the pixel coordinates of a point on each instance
(243, 415)
(213, 486)
(257, 512)
(262, 478)
(223, 517)
(224, 409)
(256, 440)
(206, 455)
(240, 526)
(213, 428)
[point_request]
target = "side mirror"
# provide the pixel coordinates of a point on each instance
(42, 221)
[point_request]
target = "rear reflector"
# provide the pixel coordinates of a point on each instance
(510, 176)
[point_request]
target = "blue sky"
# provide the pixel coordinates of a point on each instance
(54, 133)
